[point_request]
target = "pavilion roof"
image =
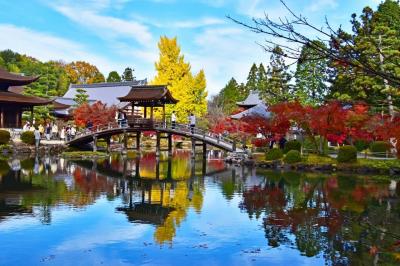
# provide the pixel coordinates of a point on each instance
(11, 97)
(252, 100)
(260, 110)
(154, 95)
(8, 79)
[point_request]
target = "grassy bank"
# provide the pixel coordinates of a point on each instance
(315, 162)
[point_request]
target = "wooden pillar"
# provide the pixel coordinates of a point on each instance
(151, 112)
(31, 115)
(145, 111)
(234, 146)
(204, 149)
(169, 144)
(193, 148)
(158, 143)
(108, 141)
(17, 118)
(125, 142)
(94, 143)
(138, 141)
(158, 168)
(133, 109)
(163, 113)
(1, 117)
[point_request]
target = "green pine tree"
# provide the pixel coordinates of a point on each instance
(251, 84)
(128, 74)
(278, 74)
(311, 76)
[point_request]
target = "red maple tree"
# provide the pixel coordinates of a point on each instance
(98, 113)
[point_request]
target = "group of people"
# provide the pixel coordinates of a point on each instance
(191, 121)
(51, 131)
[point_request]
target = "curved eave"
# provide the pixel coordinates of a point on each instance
(20, 81)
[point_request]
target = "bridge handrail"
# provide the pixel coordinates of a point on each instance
(157, 125)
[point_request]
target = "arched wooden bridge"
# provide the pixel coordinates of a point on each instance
(162, 130)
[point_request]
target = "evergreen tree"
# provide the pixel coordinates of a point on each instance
(311, 76)
(277, 89)
(173, 71)
(252, 78)
(128, 74)
(262, 79)
(228, 96)
(113, 76)
(376, 39)
(81, 97)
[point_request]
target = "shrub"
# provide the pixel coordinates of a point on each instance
(380, 147)
(293, 156)
(292, 145)
(361, 145)
(273, 154)
(309, 145)
(28, 137)
(4, 167)
(347, 154)
(4, 136)
(28, 164)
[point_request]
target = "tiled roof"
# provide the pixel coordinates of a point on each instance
(259, 110)
(10, 79)
(107, 92)
(252, 100)
(151, 94)
(11, 97)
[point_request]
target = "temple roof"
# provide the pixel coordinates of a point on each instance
(106, 92)
(260, 110)
(8, 79)
(252, 100)
(154, 95)
(11, 97)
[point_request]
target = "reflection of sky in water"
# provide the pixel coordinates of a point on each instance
(80, 214)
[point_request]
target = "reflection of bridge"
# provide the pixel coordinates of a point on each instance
(162, 130)
(135, 173)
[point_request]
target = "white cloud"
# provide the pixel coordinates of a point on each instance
(321, 4)
(44, 46)
(106, 26)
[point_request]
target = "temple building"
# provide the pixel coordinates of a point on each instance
(253, 106)
(148, 96)
(106, 92)
(12, 102)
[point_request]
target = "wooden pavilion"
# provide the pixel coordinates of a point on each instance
(149, 96)
(13, 102)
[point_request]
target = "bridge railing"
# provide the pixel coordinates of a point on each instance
(196, 131)
(160, 125)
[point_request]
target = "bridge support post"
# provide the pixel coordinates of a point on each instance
(108, 141)
(193, 148)
(204, 149)
(138, 141)
(169, 144)
(234, 146)
(125, 142)
(158, 144)
(94, 143)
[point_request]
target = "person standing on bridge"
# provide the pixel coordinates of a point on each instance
(173, 119)
(192, 122)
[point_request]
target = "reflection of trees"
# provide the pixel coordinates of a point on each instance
(340, 217)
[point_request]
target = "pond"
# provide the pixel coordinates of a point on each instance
(123, 210)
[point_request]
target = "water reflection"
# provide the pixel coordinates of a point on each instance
(342, 219)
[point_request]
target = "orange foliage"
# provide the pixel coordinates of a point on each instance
(98, 113)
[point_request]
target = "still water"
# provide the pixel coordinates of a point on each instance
(127, 211)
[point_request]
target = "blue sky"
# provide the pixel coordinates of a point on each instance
(113, 34)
